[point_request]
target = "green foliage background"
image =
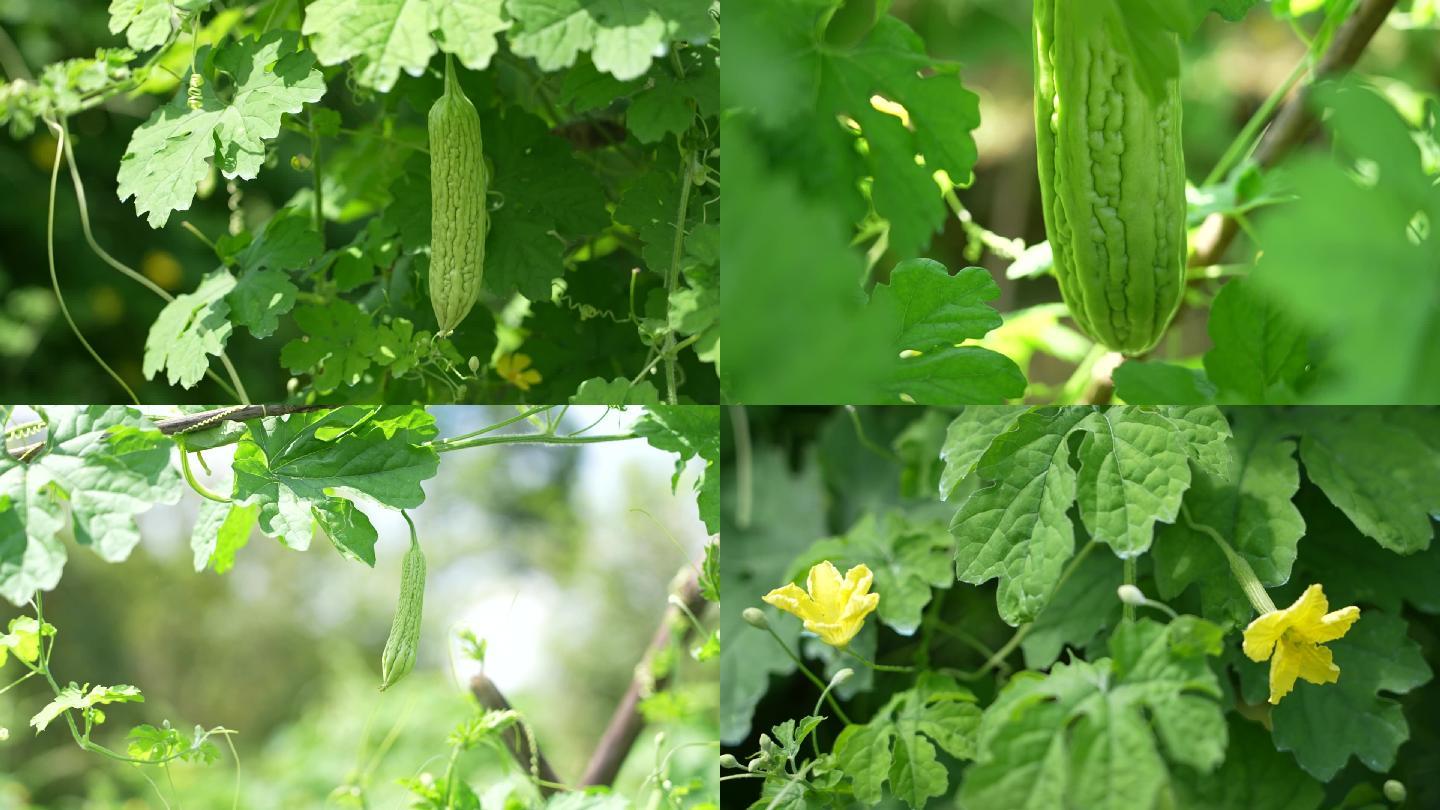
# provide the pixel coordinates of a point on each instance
(929, 498)
(594, 119)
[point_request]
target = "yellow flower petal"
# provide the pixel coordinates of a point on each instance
(791, 600)
(1284, 669)
(832, 607)
(1316, 664)
(1334, 625)
(1261, 635)
(1291, 639)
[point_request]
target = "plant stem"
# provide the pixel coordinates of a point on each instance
(190, 479)
(530, 438)
(744, 467)
(875, 666)
(672, 278)
(60, 131)
(1239, 566)
(506, 423)
(235, 388)
(808, 674)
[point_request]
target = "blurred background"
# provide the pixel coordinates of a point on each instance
(560, 558)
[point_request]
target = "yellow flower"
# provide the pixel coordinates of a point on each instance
(835, 608)
(1294, 636)
(516, 369)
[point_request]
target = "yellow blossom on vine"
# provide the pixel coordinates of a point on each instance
(834, 608)
(1294, 635)
(516, 369)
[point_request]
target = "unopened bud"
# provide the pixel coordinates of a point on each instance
(842, 676)
(1131, 595)
(474, 364)
(727, 761)
(755, 617)
(1395, 790)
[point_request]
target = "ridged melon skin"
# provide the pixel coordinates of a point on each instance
(1112, 177)
(458, 216)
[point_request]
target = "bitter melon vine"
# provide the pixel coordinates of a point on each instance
(1112, 176)
(457, 204)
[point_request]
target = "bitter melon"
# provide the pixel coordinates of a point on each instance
(1112, 175)
(458, 217)
(404, 643)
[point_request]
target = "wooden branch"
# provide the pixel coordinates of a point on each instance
(627, 722)
(1294, 122)
(188, 422)
(516, 739)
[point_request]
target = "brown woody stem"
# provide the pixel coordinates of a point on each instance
(1294, 122)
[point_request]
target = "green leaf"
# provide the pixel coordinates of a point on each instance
(1365, 460)
(929, 313)
(1016, 527)
(1355, 569)
(167, 154)
(342, 342)
(76, 697)
(1259, 352)
(689, 431)
(189, 329)
(669, 104)
(796, 82)
(348, 528)
(936, 310)
(288, 241)
(1097, 735)
(146, 23)
(615, 393)
(259, 298)
(468, 28)
(1376, 310)
(1254, 777)
(384, 37)
(1150, 382)
(786, 512)
(622, 37)
(294, 471)
(1133, 471)
(23, 638)
(1134, 468)
(1083, 605)
(908, 559)
(899, 742)
(1325, 725)
(221, 530)
(967, 439)
(107, 465)
(1254, 513)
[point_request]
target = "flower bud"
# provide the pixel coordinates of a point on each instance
(755, 617)
(1131, 595)
(727, 761)
(1394, 790)
(474, 364)
(841, 677)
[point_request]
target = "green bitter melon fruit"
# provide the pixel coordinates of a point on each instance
(1112, 175)
(400, 649)
(458, 216)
